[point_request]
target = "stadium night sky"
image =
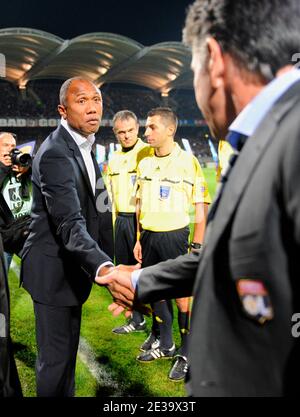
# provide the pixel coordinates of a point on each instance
(147, 22)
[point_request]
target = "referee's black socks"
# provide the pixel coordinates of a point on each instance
(163, 312)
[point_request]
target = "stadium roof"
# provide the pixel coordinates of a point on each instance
(104, 57)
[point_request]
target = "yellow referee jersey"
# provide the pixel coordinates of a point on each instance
(121, 174)
(167, 187)
(224, 152)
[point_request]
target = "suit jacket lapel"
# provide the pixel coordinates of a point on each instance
(82, 166)
(99, 184)
(78, 157)
(246, 163)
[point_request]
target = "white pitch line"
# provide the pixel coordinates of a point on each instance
(103, 377)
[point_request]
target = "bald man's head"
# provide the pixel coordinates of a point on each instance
(7, 143)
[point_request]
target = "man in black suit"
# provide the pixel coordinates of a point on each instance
(245, 281)
(71, 219)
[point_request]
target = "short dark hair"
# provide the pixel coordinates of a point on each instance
(261, 35)
(124, 115)
(166, 113)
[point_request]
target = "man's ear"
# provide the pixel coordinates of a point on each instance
(171, 130)
(62, 111)
(216, 67)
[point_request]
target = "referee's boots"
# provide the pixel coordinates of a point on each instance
(157, 353)
(151, 342)
(179, 369)
(130, 327)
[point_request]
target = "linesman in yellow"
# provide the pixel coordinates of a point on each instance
(225, 151)
(121, 180)
(169, 183)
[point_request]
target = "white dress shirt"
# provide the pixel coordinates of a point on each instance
(85, 146)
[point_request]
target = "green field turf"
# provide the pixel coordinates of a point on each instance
(120, 373)
(210, 176)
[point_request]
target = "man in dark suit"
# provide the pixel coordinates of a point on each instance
(245, 281)
(70, 219)
(9, 380)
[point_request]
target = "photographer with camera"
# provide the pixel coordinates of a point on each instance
(14, 183)
(15, 195)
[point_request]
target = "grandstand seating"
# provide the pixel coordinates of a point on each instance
(40, 100)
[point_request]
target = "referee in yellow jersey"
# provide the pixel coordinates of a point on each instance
(169, 183)
(225, 151)
(121, 180)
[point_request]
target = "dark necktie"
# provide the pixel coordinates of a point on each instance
(96, 166)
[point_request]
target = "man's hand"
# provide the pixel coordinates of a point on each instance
(19, 170)
(116, 309)
(137, 251)
(118, 282)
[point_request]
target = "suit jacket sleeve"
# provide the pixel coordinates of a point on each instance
(291, 179)
(174, 278)
(57, 180)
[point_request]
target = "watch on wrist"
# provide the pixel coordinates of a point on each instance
(195, 245)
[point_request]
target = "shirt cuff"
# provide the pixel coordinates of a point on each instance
(107, 263)
(135, 275)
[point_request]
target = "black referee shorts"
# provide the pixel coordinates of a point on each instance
(161, 246)
(125, 238)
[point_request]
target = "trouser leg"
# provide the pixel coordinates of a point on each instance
(57, 334)
(184, 329)
(137, 317)
(156, 247)
(163, 315)
(170, 245)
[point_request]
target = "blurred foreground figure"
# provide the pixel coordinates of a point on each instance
(9, 380)
(245, 281)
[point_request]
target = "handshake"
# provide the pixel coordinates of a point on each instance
(118, 282)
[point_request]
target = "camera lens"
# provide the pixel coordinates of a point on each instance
(19, 158)
(24, 159)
